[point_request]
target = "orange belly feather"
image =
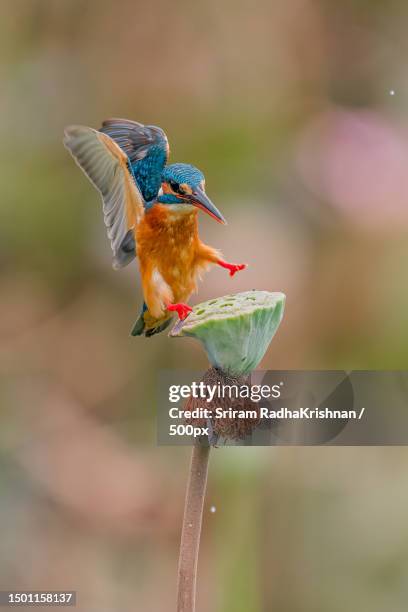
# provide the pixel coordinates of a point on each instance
(170, 257)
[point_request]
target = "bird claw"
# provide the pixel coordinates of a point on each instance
(234, 268)
(183, 310)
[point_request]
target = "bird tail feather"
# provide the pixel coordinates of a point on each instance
(148, 327)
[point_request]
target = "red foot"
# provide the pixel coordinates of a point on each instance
(233, 268)
(183, 310)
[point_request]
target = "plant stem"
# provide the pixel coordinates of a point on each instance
(191, 530)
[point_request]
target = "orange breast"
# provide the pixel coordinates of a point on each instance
(167, 244)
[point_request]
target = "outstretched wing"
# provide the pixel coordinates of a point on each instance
(107, 167)
(147, 148)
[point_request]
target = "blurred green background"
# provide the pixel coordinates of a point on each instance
(296, 113)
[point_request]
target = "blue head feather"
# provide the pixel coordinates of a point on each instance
(183, 173)
(176, 175)
(183, 185)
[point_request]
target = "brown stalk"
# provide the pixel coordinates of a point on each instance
(191, 529)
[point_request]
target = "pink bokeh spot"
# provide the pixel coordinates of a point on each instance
(358, 161)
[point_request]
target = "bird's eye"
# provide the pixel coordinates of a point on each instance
(175, 186)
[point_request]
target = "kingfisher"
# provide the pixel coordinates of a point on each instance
(150, 211)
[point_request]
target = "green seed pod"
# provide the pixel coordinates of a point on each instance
(235, 330)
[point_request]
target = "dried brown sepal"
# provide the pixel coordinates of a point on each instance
(228, 428)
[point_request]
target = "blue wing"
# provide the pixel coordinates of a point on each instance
(147, 148)
(107, 167)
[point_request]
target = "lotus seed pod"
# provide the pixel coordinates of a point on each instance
(235, 330)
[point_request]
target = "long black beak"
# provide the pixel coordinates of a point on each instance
(200, 199)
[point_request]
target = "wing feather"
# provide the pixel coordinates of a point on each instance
(135, 138)
(107, 167)
(147, 149)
